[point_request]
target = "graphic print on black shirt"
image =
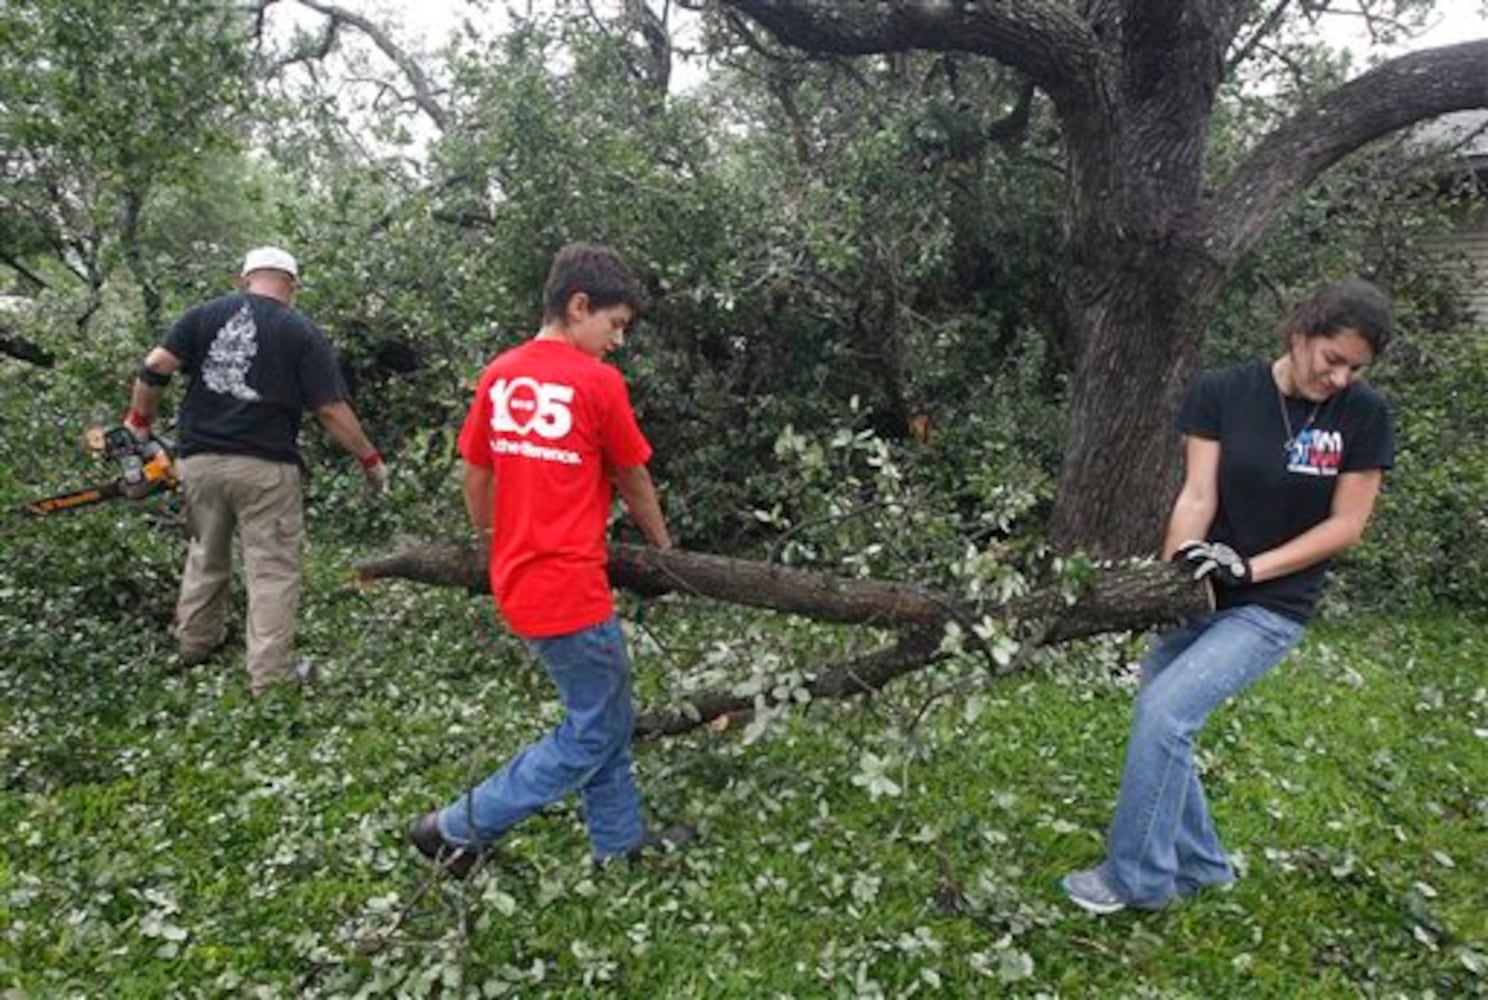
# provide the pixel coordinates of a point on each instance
(233, 347)
(1272, 490)
(1315, 452)
(256, 365)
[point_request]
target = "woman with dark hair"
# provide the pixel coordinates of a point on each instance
(1282, 464)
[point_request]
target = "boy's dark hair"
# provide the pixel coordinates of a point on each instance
(598, 272)
(1354, 304)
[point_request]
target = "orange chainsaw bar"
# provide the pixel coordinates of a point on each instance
(77, 498)
(157, 473)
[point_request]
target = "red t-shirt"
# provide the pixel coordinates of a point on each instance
(552, 423)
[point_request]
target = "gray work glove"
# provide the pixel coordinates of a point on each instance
(1215, 561)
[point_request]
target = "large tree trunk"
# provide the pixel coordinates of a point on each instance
(1115, 600)
(1136, 264)
(1141, 333)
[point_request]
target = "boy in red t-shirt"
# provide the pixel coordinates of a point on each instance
(550, 430)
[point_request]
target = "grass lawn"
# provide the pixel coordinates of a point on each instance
(168, 835)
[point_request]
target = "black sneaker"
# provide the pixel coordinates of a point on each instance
(457, 859)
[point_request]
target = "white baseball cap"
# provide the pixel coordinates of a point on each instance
(270, 259)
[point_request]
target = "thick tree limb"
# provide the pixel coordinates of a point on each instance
(1115, 600)
(652, 572)
(1046, 40)
(1395, 94)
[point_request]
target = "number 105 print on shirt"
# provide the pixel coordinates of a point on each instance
(522, 405)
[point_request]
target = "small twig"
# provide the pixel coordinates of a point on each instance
(1026, 649)
(374, 942)
(1090, 944)
(1245, 50)
(773, 555)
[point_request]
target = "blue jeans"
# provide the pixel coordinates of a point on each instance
(589, 752)
(1162, 840)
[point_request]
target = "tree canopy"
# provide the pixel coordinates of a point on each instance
(995, 236)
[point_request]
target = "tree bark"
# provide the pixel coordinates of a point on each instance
(1119, 599)
(1047, 40)
(1139, 348)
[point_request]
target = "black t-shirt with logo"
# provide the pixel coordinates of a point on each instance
(256, 365)
(1269, 493)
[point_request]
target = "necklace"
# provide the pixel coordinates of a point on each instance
(1286, 419)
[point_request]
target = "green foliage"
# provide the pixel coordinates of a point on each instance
(107, 105)
(113, 86)
(1429, 540)
(169, 835)
(863, 507)
(801, 251)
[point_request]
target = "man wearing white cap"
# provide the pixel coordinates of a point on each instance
(256, 364)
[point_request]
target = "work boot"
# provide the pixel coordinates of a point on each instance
(196, 657)
(457, 859)
(663, 841)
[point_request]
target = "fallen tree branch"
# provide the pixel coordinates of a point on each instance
(1116, 599)
(860, 675)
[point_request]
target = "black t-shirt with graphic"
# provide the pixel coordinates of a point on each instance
(256, 365)
(1269, 493)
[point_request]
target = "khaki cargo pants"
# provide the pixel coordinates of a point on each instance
(260, 502)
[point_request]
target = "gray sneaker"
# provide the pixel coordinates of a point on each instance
(1089, 891)
(306, 672)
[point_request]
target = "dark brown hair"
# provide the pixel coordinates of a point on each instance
(1354, 304)
(597, 271)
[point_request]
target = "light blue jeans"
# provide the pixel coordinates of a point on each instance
(589, 752)
(1162, 840)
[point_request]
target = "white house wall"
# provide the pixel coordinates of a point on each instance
(1467, 247)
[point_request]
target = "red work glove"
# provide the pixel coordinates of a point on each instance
(376, 471)
(137, 424)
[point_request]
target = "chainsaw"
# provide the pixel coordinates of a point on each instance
(146, 467)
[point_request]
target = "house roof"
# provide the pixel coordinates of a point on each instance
(1464, 131)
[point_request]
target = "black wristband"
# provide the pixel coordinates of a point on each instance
(151, 377)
